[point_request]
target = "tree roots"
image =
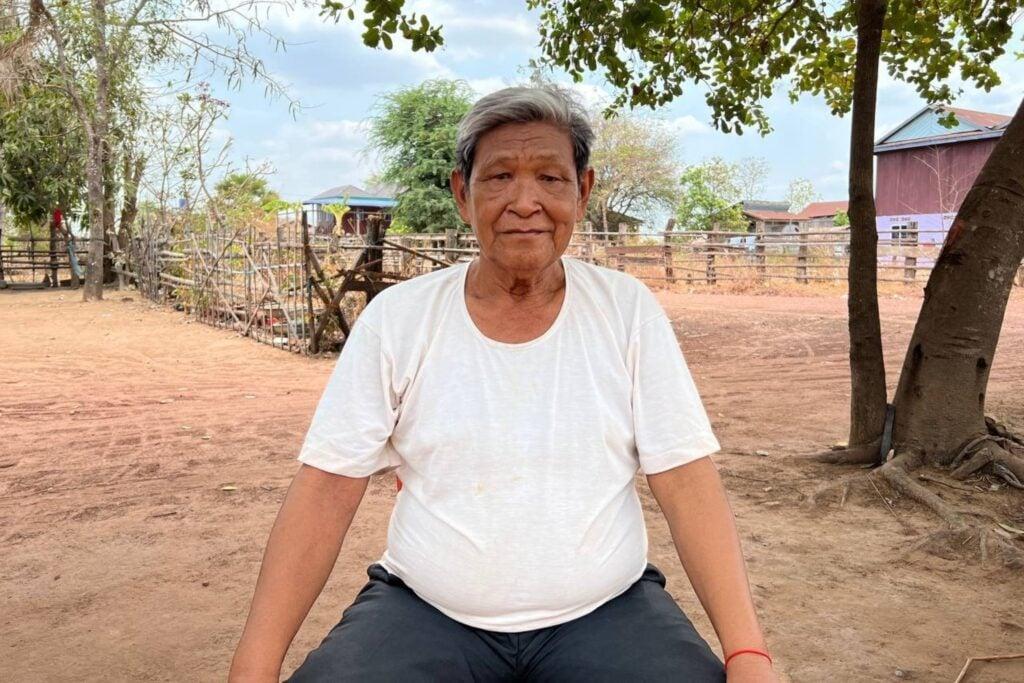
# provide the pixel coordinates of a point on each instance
(863, 454)
(961, 533)
(1000, 453)
(897, 473)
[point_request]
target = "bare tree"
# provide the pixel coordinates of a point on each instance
(121, 35)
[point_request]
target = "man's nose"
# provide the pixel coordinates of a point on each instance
(525, 199)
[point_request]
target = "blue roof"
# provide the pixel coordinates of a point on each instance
(353, 196)
(924, 130)
(354, 202)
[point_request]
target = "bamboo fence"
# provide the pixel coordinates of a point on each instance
(299, 286)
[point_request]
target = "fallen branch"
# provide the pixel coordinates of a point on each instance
(993, 658)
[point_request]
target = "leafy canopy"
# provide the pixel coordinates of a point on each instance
(414, 131)
(244, 189)
(42, 160)
(710, 195)
(740, 51)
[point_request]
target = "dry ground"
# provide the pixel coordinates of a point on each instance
(122, 557)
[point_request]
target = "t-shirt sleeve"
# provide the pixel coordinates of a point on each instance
(357, 412)
(670, 424)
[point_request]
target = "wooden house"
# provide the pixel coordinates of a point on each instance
(361, 204)
(925, 169)
(774, 217)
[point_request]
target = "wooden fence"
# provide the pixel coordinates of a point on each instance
(298, 287)
(37, 262)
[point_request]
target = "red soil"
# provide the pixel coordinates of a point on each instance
(143, 459)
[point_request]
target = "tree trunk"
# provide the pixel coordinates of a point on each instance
(867, 366)
(940, 400)
(96, 162)
(54, 276)
(133, 169)
(109, 200)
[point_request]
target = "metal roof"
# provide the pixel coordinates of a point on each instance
(812, 210)
(354, 196)
(924, 130)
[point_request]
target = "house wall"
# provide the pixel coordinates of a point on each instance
(819, 224)
(928, 180)
(931, 227)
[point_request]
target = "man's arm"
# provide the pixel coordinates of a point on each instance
(704, 531)
(300, 554)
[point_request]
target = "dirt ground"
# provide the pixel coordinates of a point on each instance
(143, 458)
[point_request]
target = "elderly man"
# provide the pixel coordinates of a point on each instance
(517, 396)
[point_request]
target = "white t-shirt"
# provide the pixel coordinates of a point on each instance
(518, 509)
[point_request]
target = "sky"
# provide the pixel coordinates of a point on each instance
(488, 43)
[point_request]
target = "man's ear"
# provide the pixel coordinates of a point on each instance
(586, 186)
(460, 190)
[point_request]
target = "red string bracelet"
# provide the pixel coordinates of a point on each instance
(750, 650)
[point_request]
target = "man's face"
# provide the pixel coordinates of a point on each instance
(524, 197)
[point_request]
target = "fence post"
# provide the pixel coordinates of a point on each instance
(670, 275)
(801, 259)
(374, 252)
(709, 269)
(451, 243)
(53, 253)
(32, 254)
(910, 269)
(311, 345)
(403, 256)
(759, 250)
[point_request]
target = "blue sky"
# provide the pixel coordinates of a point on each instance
(487, 44)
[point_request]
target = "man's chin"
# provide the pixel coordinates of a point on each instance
(525, 260)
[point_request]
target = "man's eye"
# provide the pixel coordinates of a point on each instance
(501, 176)
(550, 178)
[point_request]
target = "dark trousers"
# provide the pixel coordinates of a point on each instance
(389, 634)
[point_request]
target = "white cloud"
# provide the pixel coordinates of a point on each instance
(687, 125)
(592, 97)
(515, 25)
(485, 86)
(304, 17)
(342, 129)
(313, 155)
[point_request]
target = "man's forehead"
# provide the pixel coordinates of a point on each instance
(518, 139)
(525, 149)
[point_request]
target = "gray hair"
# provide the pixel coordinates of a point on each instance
(521, 104)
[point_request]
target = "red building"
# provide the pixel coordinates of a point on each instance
(924, 171)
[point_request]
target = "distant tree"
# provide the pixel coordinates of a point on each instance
(42, 165)
(100, 50)
(750, 176)
(801, 192)
(709, 198)
(634, 167)
(244, 189)
(414, 131)
(841, 219)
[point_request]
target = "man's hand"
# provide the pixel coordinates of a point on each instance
(750, 668)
